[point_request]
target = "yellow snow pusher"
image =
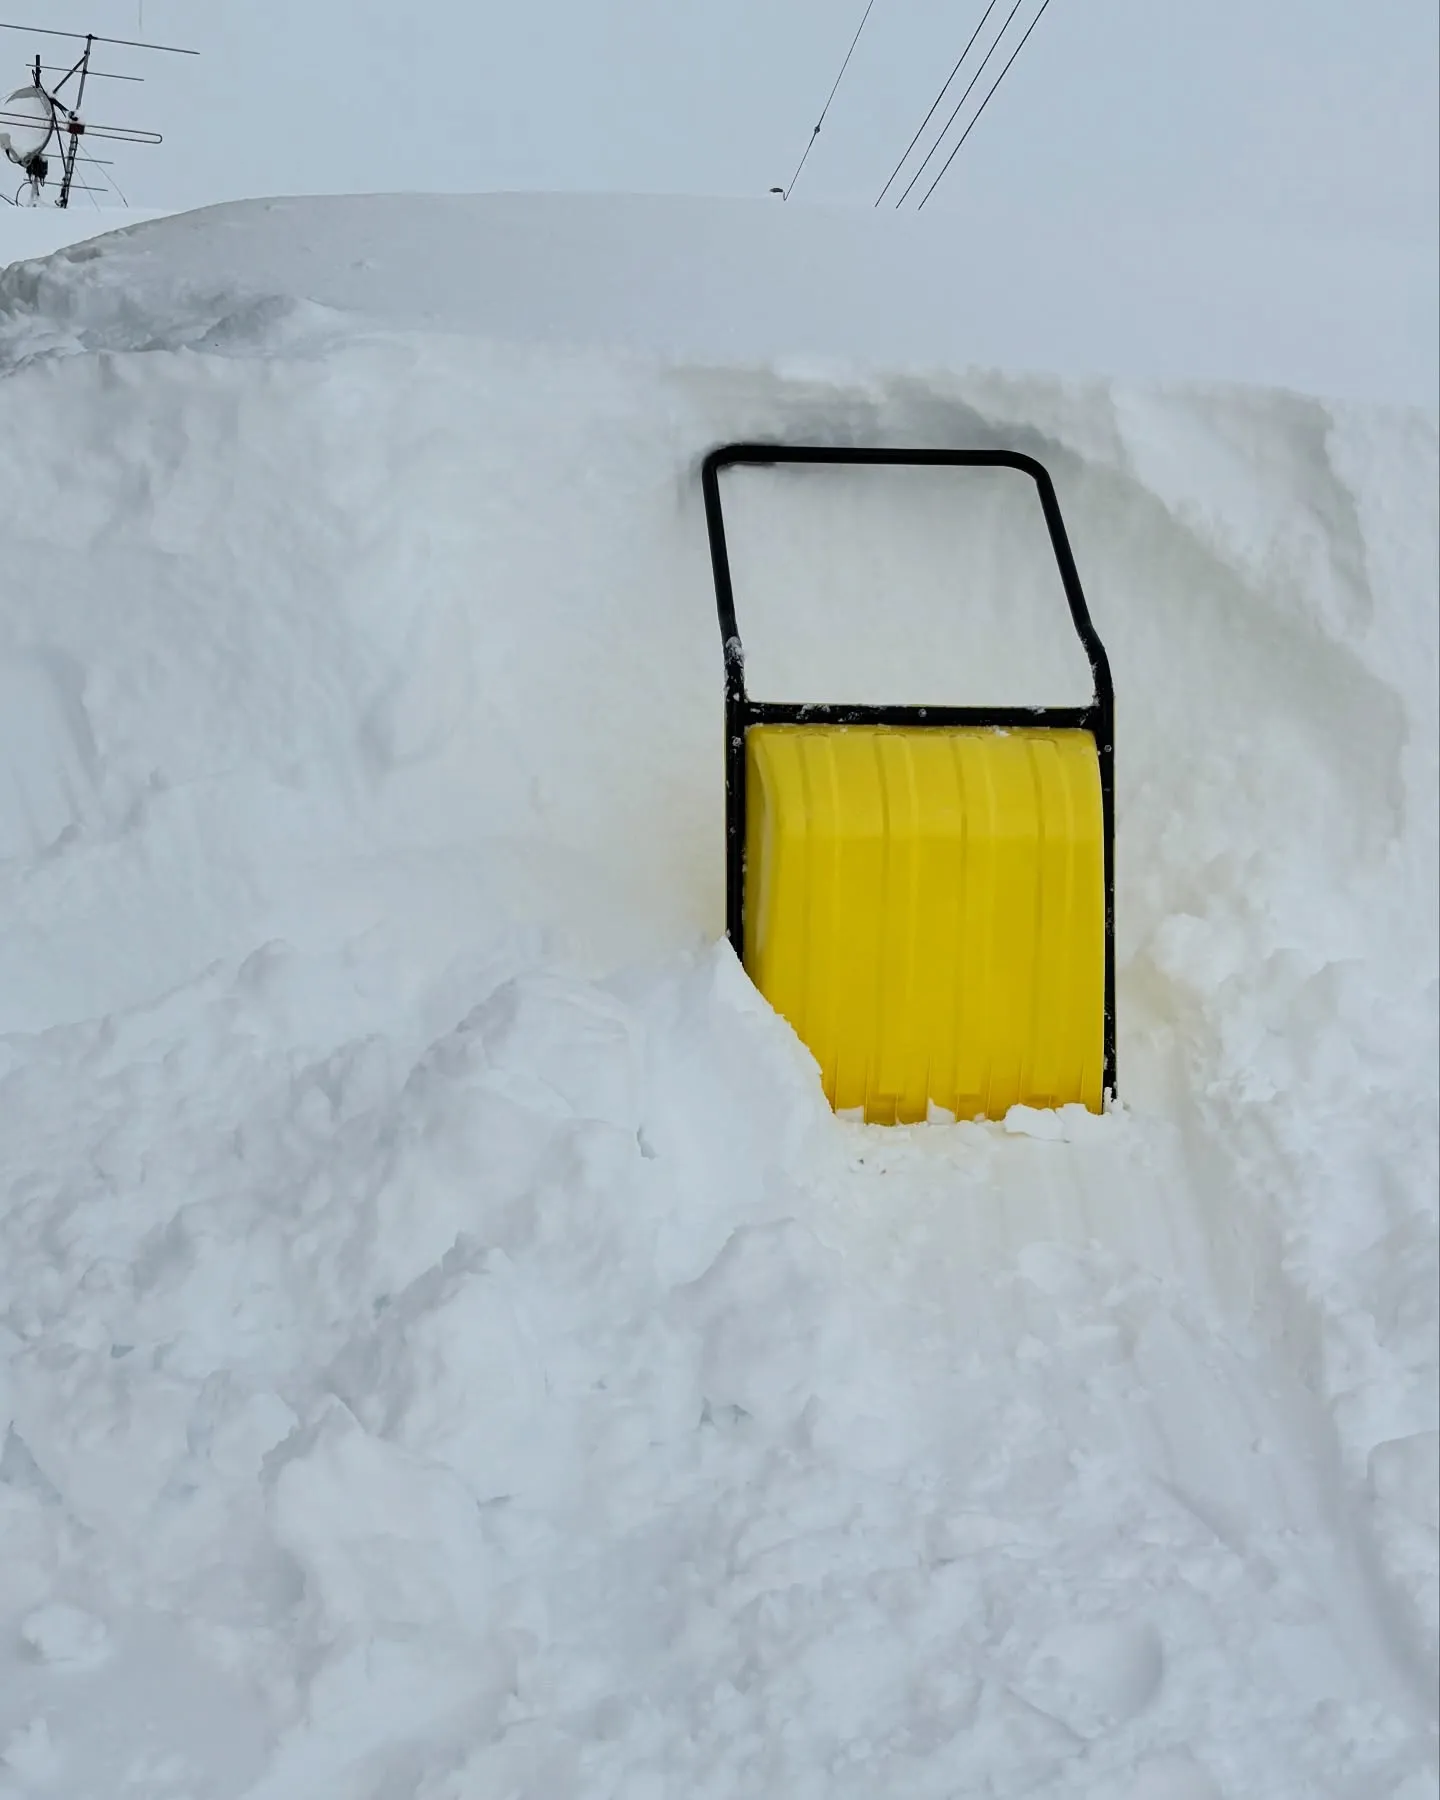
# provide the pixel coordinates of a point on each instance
(926, 892)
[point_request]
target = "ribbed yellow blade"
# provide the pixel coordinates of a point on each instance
(927, 909)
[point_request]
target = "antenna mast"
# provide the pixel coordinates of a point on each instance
(36, 117)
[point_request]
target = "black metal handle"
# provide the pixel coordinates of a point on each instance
(741, 711)
(768, 455)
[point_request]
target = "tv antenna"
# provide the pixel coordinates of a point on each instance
(41, 123)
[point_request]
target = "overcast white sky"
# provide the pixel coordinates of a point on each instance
(1312, 117)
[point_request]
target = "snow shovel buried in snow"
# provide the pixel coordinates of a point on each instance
(926, 892)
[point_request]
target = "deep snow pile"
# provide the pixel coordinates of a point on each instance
(447, 1346)
(750, 279)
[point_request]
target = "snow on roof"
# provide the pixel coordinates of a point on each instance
(737, 280)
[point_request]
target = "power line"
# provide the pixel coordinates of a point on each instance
(825, 109)
(984, 103)
(955, 114)
(94, 161)
(934, 105)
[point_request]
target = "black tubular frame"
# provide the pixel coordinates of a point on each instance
(741, 712)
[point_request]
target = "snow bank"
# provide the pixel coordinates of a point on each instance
(32, 231)
(752, 280)
(446, 1345)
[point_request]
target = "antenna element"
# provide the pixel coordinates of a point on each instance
(38, 123)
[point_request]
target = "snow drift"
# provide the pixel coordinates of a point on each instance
(446, 1345)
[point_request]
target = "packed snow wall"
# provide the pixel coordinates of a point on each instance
(443, 1335)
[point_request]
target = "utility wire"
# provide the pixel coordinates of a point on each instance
(983, 104)
(825, 109)
(104, 176)
(969, 85)
(934, 105)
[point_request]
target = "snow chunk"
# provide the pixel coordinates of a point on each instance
(1035, 1122)
(771, 1324)
(1093, 1677)
(30, 1753)
(66, 1636)
(388, 1541)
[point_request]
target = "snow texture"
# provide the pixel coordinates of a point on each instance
(448, 1349)
(752, 280)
